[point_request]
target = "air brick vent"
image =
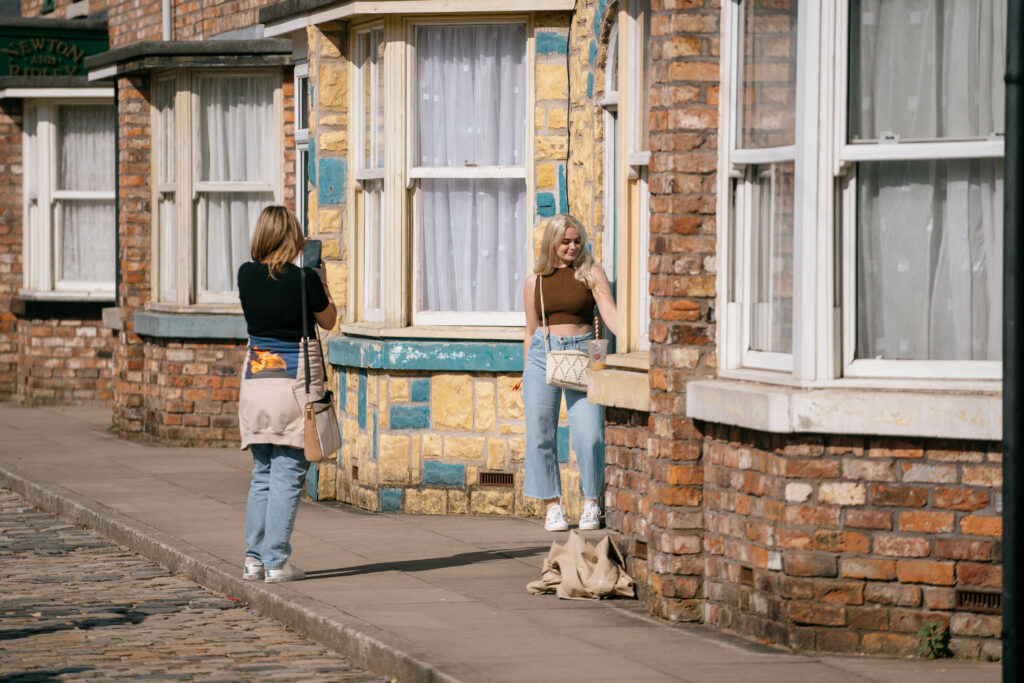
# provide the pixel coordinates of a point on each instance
(641, 550)
(355, 472)
(506, 479)
(979, 601)
(747, 576)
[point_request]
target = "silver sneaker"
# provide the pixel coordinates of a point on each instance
(591, 518)
(286, 573)
(555, 521)
(253, 569)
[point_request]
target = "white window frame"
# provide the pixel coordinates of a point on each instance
(824, 292)
(301, 85)
(399, 178)
(633, 212)
(610, 118)
(367, 175)
(188, 190)
(40, 199)
(415, 173)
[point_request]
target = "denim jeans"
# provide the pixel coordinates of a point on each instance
(278, 474)
(541, 403)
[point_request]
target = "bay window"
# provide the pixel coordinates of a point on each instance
(861, 196)
(455, 168)
(69, 198)
(218, 162)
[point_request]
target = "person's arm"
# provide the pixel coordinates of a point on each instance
(329, 316)
(531, 313)
(605, 301)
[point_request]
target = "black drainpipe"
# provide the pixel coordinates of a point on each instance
(117, 203)
(1013, 347)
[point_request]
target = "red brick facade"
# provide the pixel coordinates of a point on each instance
(10, 241)
(850, 544)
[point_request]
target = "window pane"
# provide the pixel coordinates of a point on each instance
(772, 259)
(645, 77)
(373, 256)
(228, 219)
(86, 240)
(921, 69)
(370, 49)
(86, 147)
(163, 92)
(237, 136)
(302, 103)
(472, 239)
(929, 260)
(470, 91)
(168, 272)
(768, 117)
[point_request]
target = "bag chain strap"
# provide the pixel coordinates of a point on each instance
(305, 335)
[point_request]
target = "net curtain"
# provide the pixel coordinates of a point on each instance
(471, 110)
(86, 164)
(236, 144)
(929, 232)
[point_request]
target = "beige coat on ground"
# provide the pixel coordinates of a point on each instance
(579, 571)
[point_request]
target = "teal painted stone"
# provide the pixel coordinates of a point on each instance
(419, 390)
(312, 483)
(590, 85)
(407, 354)
(563, 444)
(410, 417)
(331, 182)
(391, 500)
(443, 474)
(311, 165)
(563, 193)
(593, 52)
(552, 43)
(362, 399)
(545, 204)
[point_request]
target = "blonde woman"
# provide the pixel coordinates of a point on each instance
(572, 285)
(273, 386)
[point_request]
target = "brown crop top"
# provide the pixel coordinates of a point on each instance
(567, 301)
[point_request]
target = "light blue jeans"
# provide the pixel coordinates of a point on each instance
(541, 403)
(277, 477)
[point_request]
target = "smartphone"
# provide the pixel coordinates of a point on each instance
(311, 253)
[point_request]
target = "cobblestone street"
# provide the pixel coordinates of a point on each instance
(76, 607)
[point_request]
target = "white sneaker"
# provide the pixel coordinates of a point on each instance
(286, 573)
(253, 569)
(591, 518)
(555, 521)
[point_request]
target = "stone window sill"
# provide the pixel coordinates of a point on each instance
(623, 384)
(425, 354)
(190, 326)
(781, 409)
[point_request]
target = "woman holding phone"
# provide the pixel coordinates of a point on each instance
(273, 386)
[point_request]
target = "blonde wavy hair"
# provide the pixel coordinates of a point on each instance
(278, 238)
(554, 231)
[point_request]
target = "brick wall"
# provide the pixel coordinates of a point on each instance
(134, 230)
(10, 240)
(65, 361)
(851, 544)
(626, 479)
(191, 391)
(684, 141)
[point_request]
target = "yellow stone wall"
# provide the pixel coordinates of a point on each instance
(475, 419)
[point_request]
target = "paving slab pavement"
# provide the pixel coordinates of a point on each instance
(418, 598)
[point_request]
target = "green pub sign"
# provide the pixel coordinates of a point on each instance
(45, 52)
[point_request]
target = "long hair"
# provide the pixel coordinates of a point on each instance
(278, 238)
(554, 231)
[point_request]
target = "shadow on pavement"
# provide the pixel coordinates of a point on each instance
(427, 564)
